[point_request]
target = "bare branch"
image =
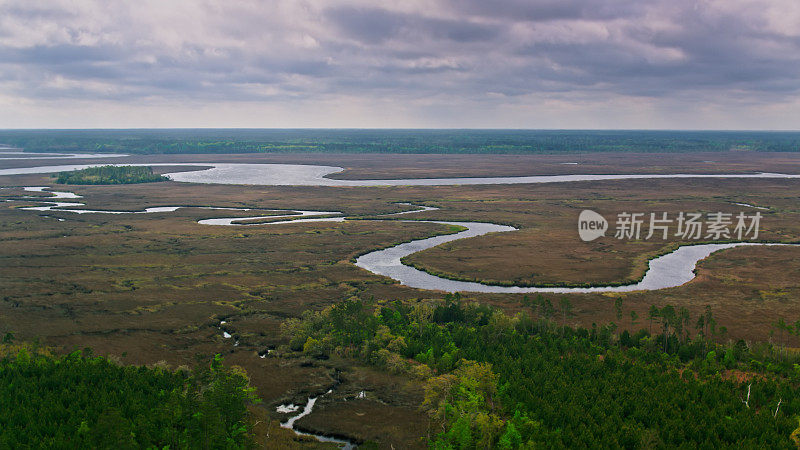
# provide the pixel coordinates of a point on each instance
(747, 401)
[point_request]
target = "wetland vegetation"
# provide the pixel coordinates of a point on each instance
(155, 287)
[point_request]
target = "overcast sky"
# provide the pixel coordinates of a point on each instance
(717, 64)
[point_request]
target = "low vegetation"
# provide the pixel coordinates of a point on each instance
(110, 175)
(81, 401)
(494, 380)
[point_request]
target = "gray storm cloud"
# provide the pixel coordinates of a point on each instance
(573, 63)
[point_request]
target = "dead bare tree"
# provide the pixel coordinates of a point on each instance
(747, 400)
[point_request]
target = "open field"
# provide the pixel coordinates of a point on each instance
(154, 287)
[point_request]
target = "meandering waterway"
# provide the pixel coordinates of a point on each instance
(667, 271)
(671, 270)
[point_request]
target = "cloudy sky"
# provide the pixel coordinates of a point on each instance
(708, 64)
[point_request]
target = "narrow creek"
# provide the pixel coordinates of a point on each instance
(307, 409)
(291, 408)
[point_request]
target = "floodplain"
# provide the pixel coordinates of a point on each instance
(155, 287)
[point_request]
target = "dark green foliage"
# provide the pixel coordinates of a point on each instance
(78, 401)
(395, 141)
(110, 175)
(509, 382)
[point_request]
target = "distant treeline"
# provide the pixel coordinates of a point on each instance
(110, 175)
(395, 141)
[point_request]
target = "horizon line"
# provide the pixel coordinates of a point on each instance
(409, 129)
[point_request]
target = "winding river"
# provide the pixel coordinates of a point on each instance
(670, 270)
